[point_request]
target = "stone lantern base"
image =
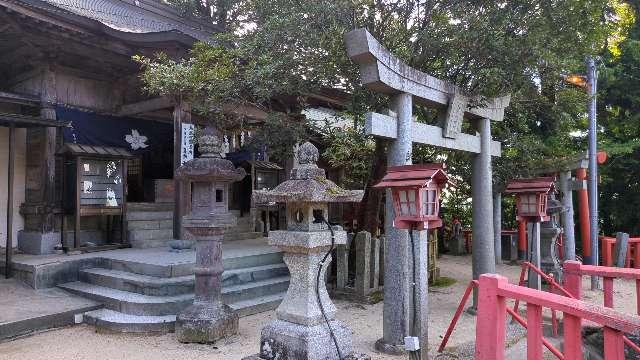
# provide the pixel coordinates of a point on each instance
(285, 340)
(206, 323)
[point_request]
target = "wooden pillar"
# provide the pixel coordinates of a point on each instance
(11, 172)
(40, 189)
(181, 115)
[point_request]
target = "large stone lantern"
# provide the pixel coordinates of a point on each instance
(300, 330)
(209, 176)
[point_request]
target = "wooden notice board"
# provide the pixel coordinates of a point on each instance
(95, 185)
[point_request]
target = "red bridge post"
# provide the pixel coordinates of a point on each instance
(491, 318)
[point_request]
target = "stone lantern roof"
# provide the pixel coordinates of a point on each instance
(307, 183)
(210, 166)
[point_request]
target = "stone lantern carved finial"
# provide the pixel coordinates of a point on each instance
(307, 168)
(209, 143)
(308, 155)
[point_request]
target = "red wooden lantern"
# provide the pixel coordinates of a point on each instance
(531, 197)
(416, 194)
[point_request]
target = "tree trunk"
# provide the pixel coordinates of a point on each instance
(369, 212)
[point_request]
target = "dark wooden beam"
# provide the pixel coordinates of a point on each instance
(8, 268)
(146, 106)
(22, 99)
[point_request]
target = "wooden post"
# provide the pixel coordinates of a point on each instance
(572, 326)
(573, 278)
(638, 296)
(534, 332)
(8, 269)
(583, 215)
(123, 216)
(620, 249)
(76, 226)
(535, 281)
(181, 114)
(613, 344)
(490, 326)
(522, 239)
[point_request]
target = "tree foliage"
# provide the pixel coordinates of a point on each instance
(277, 52)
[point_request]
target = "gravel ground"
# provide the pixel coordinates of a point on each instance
(82, 342)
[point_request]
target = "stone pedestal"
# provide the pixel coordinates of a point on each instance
(300, 331)
(208, 179)
(548, 235)
(208, 319)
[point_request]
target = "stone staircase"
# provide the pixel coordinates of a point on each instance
(145, 298)
(151, 225)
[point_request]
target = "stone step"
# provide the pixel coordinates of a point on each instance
(137, 283)
(258, 305)
(138, 235)
(130, 303)
(166, 286)
(105, 319)
(149, 224)
(149, 215)
(231, 236)
(254, 289)
(268, 257)
(110, 320)
(150, 243)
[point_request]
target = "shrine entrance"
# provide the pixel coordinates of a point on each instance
(383, 72)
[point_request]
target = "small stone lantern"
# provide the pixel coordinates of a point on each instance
(416, 194)
(209, 176)
(300, 330)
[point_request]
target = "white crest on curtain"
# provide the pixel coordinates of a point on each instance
(136, 140)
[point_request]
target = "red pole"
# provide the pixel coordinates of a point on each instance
(522, 239)
(583, 213)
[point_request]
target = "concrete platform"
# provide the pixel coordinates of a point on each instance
(25, 310)
(46, 271)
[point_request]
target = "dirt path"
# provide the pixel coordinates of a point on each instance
(82, 342)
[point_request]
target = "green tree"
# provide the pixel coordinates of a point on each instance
(619, 120)
(275, 53)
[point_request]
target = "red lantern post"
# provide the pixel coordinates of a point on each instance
(416, 195)
(415, 190)
(531, 206)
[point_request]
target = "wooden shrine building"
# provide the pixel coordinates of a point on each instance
(69, 63)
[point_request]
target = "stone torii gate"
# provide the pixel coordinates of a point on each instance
(383, 72)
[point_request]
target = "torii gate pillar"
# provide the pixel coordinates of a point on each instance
(483, 254)
(397, 294)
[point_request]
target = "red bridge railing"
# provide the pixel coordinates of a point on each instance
(493, 292)
(632, 259)
(571, 291)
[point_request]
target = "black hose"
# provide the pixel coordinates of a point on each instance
(324, 314)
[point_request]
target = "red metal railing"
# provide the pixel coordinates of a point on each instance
(494, 290)
(572, 290)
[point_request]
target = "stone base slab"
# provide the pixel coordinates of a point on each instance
(37, 243)
(285, 340)
(391, 349)
(205, 323)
